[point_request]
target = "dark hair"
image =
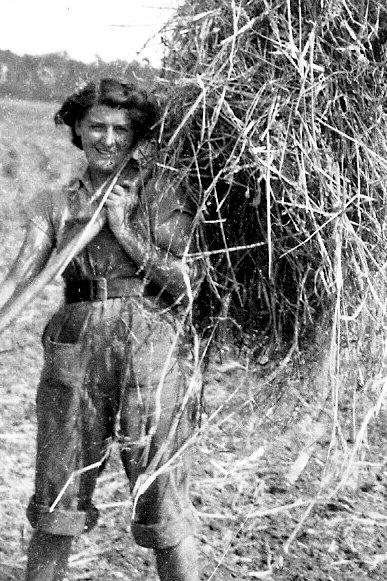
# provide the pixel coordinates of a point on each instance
(143, 111)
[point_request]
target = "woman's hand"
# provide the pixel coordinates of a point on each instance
(120, 204)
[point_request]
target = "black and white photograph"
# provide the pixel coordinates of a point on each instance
(193, 359)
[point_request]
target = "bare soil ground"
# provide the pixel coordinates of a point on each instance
(287, 486)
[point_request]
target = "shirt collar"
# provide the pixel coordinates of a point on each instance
(81, 181)
(85, 181)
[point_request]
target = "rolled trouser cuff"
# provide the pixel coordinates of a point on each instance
(59, 521)
(164, 534)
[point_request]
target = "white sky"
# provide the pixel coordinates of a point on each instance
(84, 28)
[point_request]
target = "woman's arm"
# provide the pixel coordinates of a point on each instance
(33, 256)
(159, 259)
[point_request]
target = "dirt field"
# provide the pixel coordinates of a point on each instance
(281, 495)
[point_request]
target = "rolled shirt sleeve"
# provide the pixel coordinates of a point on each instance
(40, 211)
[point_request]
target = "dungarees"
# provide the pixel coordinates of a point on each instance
(113, 369)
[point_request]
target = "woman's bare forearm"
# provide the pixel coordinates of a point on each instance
(169, 272)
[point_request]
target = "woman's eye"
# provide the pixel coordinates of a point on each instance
(98, 128)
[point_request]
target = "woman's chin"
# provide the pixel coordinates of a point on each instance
(104, 165)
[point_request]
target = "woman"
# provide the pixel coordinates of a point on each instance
(114, 352)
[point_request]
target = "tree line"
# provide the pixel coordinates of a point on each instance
(51, 77)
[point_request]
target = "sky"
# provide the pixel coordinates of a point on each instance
(110, 29)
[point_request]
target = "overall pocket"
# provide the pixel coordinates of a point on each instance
(65, 352)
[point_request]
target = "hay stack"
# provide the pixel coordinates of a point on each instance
(276, 120)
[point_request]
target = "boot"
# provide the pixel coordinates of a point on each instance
(48, 557)
(178, 563)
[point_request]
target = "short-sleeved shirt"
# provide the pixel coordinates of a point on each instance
(64, 213)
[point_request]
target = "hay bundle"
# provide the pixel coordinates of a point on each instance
(276, 123)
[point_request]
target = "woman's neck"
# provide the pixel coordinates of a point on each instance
(98, 178)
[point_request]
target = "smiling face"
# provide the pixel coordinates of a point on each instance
(107, 138)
